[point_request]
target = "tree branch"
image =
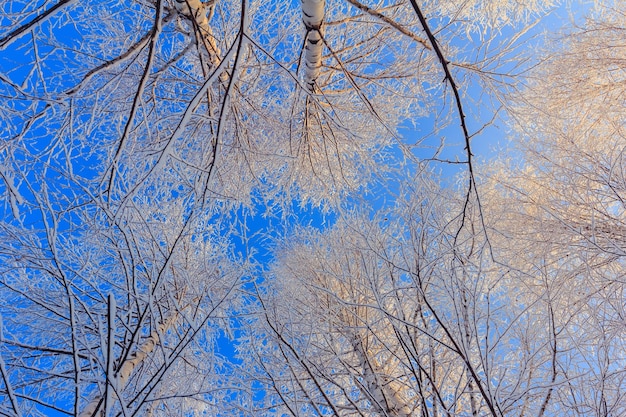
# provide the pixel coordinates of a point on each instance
(17, 33)
(390, 22)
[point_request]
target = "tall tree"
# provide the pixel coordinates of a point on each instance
(518, 312)
(219, 89)
(402, 317)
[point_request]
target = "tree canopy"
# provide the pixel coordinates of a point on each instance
(284, 208)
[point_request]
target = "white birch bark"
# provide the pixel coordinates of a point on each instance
(193, 9)
(385, 399)
(136, 358)
(201, 13)
(313, 18)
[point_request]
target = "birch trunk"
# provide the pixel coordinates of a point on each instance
(385, 399)
(200, 14)
(313, 18)
(95, 406)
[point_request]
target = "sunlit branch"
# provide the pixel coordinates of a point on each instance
(459, 106)
(390, 22)
(154, 35)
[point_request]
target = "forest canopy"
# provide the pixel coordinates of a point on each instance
(312, 208)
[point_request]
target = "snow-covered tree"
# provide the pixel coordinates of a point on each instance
(556, 215)
(400, 318)
(135, 133)
(107, 315)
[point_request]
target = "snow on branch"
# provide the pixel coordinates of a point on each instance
(197, 11)
(200, 14)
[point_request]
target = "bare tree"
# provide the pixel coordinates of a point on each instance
(525, 317)
(233, 91)
(409, 317)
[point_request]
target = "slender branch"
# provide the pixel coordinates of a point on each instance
(7, 383)
(554, 351)
(156, 28)
(220, 125)
(17, 33)
(446, 69)
(390, 22)
(459, 106)
(111, 385)
(458, 350)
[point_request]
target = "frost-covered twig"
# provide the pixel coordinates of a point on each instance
(7, 383)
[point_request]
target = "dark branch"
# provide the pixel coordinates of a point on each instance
(15, 34)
